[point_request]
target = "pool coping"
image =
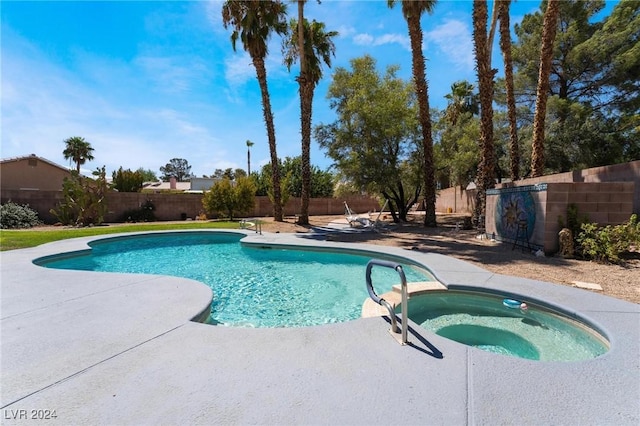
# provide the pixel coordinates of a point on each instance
(106, 348)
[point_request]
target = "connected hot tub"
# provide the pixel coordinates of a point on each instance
(507, 326)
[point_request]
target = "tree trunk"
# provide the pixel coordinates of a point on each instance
(486, 168)
(306, 101)
(419, 78)
(505, 46)
(546, 55)
(271, 135)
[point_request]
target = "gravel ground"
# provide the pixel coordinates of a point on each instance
(622, 282)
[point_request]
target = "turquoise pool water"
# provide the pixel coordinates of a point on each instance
(483, 321)
(255, 287)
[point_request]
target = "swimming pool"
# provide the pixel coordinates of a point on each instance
(261, 286)
(495, 324)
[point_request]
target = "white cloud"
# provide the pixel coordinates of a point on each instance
(172, 74)
(239, 68)
(454, 40)
(365, 39)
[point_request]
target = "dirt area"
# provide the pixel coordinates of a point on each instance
(622, 282)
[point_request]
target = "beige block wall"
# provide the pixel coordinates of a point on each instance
(606, 203)
(457, 199)
(173, 206)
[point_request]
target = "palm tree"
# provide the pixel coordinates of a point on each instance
(412, 11)
(486, 168)
(78, 150)
(305, 115)
(461, 100)
(253, 22)
(505, 47)
(249, 145)
(318, 48)
(549, 27)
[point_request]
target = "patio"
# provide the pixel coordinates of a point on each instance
(98, 348)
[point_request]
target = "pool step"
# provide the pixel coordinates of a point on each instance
(421, 287)
(372, 309)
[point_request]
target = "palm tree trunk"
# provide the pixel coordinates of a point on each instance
(486, 168)
(271, 135)
(306, 100)
(549, 27)
(418, 67)
(505, 46)
(306, 103)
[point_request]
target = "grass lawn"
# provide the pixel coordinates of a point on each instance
(23, 238)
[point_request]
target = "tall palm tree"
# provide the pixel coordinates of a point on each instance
(486, 168)
(549, 27)
(78, 150)
(249, 145)
(505, 47)
(318, 48)
(412, 11)
(305, 117)
(253, 22)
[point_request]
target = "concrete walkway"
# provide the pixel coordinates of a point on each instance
(103, 348)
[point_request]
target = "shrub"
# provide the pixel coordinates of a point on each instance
(606, 244)
(14, 216)
(84, 200)
(574, 223)
(127, 181)
(143, 214)
(227, 197)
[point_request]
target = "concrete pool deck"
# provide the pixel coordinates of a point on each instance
(103, 348)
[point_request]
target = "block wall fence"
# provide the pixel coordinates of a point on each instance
(179, 206)
(459, 200)
(606, 195)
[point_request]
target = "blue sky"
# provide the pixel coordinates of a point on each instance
(146, 81)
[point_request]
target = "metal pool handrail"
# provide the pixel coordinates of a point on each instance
(380, 301)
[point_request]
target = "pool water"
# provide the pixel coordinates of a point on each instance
(483, 321)
(254, 287)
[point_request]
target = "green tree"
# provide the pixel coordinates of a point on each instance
(318, 47)
(412, 11)
(78, 150)
(252, 23)
(178, 168)
(321, 180)
(374, 141)
(461, 100)
(127, 181)
(456, 149)
(148, 175)
(230, 198)
(593, 86)
(84, 199)
(228, 173)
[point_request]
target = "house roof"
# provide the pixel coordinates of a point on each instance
(166, 186)
(32, 156)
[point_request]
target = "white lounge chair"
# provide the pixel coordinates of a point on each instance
(364, 222)
(354, 219)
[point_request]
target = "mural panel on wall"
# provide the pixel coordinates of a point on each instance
(515, 207)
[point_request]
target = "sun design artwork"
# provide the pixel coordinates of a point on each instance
(512, 209)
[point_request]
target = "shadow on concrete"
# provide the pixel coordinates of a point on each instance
(446, 239)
